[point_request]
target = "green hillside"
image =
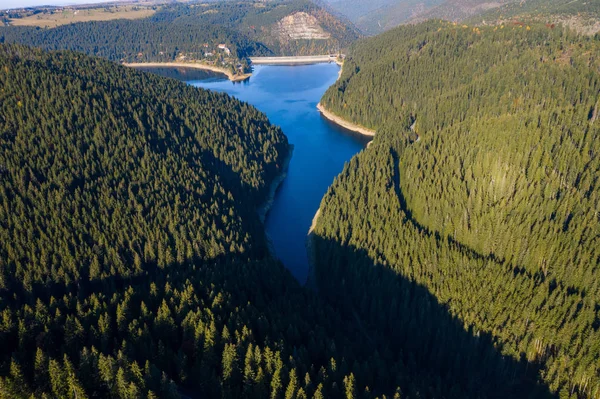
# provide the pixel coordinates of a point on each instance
(481, 186)
(121, 203)
(133, 263)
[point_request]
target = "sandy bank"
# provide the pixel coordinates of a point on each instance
(195, 65)
(299, 60)
(344, 123)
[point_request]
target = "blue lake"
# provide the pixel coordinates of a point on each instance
(288, 95)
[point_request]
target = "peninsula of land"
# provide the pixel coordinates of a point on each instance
(195, 65)
(340, 121)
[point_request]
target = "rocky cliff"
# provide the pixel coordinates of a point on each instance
(298, 26)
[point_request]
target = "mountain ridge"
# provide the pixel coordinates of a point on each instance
(380, 16)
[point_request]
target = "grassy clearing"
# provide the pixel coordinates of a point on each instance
(54, 18)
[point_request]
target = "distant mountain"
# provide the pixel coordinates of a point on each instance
(458, 10)
(297, 27)
(194, 31)
(356, 9)
(372, 17)
(380, 15)
(580, 15)
(392, 15)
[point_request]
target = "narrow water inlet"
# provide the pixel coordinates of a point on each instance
(289, 95)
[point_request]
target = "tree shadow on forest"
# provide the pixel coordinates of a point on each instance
(432, 351)
(425, 230)
(247, 199)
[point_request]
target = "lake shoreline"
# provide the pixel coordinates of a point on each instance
(289, 95)
(205, 67)
(345, 123)
(264, 209)
(311, 278)
(341, 121)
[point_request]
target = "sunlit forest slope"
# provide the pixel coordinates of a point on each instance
(481, 187)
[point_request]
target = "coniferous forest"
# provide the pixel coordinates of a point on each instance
(480, 188)
(134, 263)
(455, 257)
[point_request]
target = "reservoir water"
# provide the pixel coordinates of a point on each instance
(288, 95)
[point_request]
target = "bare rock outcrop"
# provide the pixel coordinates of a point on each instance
(300, 25)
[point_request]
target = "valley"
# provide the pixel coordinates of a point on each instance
(288, 96)
(256, 199)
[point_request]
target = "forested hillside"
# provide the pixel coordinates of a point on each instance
(121, 203)
(133, 263)
(291, 27)
(481, 188)
(135, 41)
(193, 32)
